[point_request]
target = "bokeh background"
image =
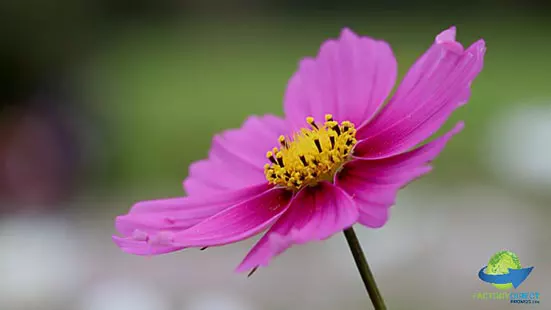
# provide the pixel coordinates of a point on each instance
(104, 103)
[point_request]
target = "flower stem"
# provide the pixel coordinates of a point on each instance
(363, 268)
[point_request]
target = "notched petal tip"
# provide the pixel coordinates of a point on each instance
(447, 35)
(248, 268)
(143, 248)
(458, 127)
(131, 246)
(348, 33)
(447, 39)
(146, 206)
(306, 63)
(478, 47)
(121, 225)
(117, 240)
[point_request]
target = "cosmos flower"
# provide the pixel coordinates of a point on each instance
(338, 157)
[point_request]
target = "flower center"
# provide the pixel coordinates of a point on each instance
(311, 155)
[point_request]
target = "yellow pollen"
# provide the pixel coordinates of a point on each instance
(311, 155)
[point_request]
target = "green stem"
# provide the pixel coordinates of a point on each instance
(363, 268)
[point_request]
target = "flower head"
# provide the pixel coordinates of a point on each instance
(338, 157)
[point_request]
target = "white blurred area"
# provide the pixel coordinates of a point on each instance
(518, 148)
(41, 262)
(124, 294)
(427, 257)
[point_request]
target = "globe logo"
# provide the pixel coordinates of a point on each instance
(504, 271)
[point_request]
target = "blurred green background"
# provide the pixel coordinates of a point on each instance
(103, 103)
(165, 91)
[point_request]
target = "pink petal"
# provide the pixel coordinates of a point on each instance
(149, 227)
(447, 35)
(350, 78)
(374, 197)
(237, 157)
(138, 247)
(314, 214)
(181, 213)
(424, 153)
(435, 86)
(374, 184)
(237, 222)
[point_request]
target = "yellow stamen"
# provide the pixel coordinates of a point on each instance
(282, 141)
(311, 155)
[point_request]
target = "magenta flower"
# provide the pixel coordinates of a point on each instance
(338, 157)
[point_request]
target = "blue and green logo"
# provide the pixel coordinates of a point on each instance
(504, 271)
